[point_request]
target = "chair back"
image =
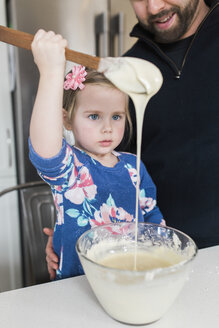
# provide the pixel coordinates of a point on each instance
(37, 211)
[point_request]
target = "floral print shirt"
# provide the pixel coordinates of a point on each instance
(88, 194)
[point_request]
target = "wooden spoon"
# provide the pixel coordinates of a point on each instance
(24, 40)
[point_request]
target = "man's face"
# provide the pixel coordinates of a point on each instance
(168, 20)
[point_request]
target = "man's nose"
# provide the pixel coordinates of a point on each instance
(155, 6)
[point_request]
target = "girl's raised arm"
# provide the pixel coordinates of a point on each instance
(46, 122)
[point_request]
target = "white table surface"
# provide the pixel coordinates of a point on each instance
(71, 302)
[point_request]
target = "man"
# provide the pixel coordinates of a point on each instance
(181, 127)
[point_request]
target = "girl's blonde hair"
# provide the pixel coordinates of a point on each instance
(94, 77)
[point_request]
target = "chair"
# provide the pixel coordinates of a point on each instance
(37, 210)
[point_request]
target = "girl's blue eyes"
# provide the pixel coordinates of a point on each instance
(116, 117)
(95, 117)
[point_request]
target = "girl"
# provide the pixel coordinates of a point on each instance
(91, 183)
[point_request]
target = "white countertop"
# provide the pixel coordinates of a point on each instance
(71, 302)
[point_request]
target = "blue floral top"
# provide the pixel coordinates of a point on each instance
(87, 194)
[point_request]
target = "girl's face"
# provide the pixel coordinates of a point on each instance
(98, 122)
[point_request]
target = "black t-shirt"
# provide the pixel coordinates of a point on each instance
(176, 50)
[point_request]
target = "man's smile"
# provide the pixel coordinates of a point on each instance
(165, 22)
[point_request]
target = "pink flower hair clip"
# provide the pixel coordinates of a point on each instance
(75, 78)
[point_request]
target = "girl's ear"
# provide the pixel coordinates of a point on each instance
(66, 121)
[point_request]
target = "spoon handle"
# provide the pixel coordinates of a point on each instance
(24, 40)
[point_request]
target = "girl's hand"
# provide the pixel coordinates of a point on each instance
(46, 121)
(49, 52)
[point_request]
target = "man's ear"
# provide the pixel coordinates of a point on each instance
(66, 121)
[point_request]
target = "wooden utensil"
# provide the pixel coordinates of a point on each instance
(24, 40)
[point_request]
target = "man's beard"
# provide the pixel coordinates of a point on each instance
(185, 17)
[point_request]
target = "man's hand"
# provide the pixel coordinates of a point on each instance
(51, 258)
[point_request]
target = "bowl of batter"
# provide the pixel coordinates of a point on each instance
(136, 271)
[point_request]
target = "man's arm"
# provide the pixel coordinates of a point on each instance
(51, 258)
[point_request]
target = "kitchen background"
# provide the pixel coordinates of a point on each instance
(96, 27)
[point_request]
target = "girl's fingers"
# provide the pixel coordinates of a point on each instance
(49, 51)
(64, 43)
(39, 34)
(49, 35)
(42, 35)
(57, 37)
